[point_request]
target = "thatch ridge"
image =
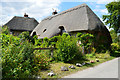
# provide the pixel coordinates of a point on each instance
(66, 11)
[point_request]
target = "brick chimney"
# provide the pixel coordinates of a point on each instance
(25, 15)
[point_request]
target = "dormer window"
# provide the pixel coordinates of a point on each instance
(62, 30)
(34, 33)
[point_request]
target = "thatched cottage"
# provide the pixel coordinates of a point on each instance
(19, 24)
(77, 19)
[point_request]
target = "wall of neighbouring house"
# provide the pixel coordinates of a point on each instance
(101, 41)
(16, 32)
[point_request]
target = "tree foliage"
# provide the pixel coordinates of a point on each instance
(114, 36)
(113, 17)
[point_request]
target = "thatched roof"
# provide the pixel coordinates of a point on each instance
(79, 18)
(22, 23)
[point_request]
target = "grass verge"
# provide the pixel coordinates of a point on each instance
(56, 67)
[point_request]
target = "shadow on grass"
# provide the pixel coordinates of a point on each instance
(78, 60)
(115, 54)
(90, 65)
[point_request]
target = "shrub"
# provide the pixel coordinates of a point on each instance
(16, 60)
(41, 60)
(37, 42)
(9, 39)
(115, 49)
(115, 46)
(66, 48)
(34, 40)
(53, 41)
(45, 42)
(86, 41)
(5, 30)
(26, 36)
(79, 35)
(92, 53)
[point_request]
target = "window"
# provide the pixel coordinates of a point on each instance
(34, 33)
(44, 30)
(62, 30)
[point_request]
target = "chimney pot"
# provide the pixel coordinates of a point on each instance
(25, 15)
(55, 12)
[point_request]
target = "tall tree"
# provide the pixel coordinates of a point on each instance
(113, 17)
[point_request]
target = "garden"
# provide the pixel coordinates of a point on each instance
(21, 60)
(23, 56)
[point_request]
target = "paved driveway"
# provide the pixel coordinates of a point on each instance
(107, 69)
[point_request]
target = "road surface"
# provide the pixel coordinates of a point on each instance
(107, 69)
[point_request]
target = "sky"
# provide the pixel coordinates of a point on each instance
(39, 9)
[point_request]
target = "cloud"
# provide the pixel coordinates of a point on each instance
(4, 19)
(20, 0)
(97, 1)
(97, 6)
(37, 9)
(0, 13)
(104, 1)
(104, 11)
(0, 9)
(101, 11)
